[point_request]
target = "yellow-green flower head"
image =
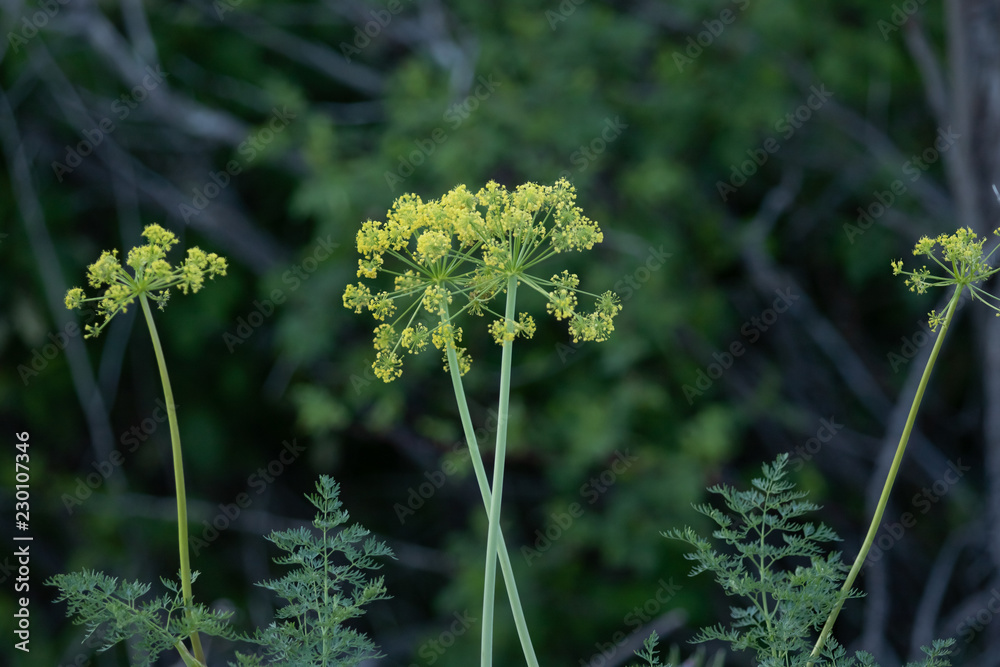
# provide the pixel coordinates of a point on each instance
(151, 276)
(459, 252)
(524, 327)
(963, 265)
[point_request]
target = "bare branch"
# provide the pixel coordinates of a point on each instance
(930, 70)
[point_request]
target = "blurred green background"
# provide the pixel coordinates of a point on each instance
(754, 166)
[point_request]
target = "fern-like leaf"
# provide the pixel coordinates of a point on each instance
(328, 586)
(98, 601)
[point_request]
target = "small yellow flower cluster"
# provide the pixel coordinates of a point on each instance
(470, 245)
(152, 276)
(524, 327)
(964, 266)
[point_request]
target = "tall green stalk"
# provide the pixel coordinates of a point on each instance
(175, 447)
(484, 489)
(890, 478)
(152, 278)
(498, 460)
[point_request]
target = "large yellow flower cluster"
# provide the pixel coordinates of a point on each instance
(468, 246)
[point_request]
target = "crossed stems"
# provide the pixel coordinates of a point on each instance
(198, 659)
(496, 546)
(889, 480)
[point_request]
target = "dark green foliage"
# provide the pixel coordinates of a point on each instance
(937, 656)
(326, 588)
(787, 607)
(649, 653)
(114, 611)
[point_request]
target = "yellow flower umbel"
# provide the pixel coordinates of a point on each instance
(419, 235)
(152, 276)
(470, 246)
(964, 266)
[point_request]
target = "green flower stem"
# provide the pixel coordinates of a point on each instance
(175, 445)
(498, 461)
(890, 478)
(484, 489)
(189, 660)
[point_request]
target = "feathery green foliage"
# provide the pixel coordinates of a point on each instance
(764, 536)
(327, 588)
(764, 564)
(113, 610)
(649, 653)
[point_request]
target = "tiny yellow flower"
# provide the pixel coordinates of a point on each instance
(433, 245)
(74, 298)
(523, 327)
(415, 339)
(436, 299)
(387, 366)
(357, 297)
(385, 337)
(562, 303)
(381, 306)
